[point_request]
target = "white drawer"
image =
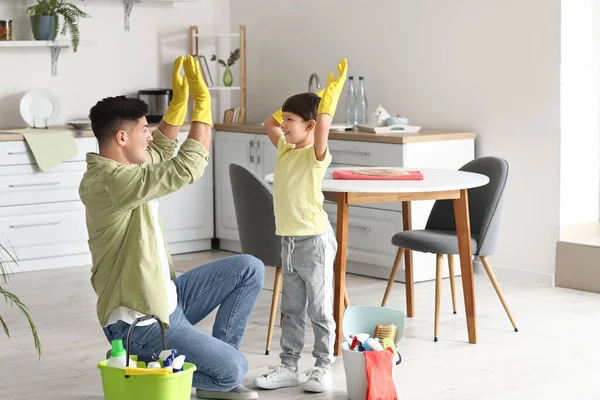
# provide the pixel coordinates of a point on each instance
(26, 184)
(366, 153)
(46, 230)
(370, 233)
(19, 153)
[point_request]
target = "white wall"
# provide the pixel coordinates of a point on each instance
(491, 67)
(580, 112)
(110, 61)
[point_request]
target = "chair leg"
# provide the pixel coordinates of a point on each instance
(346, 299)
(490, 273)
(451, 269)
(274, 301)
(438, 293)
(388, 289)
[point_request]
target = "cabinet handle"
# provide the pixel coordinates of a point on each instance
(251, 152)
(258, 152)
(17, 152)
(364, 228)
(30, 184)
(360, 153)
(31, 224)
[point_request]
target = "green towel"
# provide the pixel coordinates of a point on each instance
(50, 147)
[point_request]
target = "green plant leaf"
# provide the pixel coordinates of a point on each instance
(12, 299)
(70, 14)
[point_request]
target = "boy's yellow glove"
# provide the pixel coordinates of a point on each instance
(333, 90)
(202, 111)
(175, 114)
(278, 115)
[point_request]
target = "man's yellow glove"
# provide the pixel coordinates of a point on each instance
(202, 111)
(333, 90)
(278, 115)
(175, 114)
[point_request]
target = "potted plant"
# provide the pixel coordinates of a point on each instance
(45, 21)
(12, 299)
(233, 57)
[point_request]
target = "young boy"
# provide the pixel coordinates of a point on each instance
(300, 131)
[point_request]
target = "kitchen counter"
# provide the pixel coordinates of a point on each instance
(10, 137)
(425, 135)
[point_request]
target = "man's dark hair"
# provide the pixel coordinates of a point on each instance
(114, 113)
(304, 104)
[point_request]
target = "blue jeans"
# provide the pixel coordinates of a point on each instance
(233, 285)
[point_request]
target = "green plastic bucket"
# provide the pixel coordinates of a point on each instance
(118, 386)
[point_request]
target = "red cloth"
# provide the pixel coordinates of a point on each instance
(380, 384)
(349, 175)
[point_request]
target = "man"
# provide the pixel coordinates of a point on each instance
(132, 272)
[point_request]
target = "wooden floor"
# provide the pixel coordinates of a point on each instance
(555, 355)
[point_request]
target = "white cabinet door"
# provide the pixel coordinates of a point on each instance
(369, 234)
(187, 215)
(230, 148)
(26, 184)
(266, 156)
(45, 230)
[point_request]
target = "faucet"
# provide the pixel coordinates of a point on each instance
(310, 81)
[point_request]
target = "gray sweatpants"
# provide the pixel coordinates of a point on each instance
(307, 263)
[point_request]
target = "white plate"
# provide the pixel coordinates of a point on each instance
(39, 108)
(390, 129)
(340, 127)
(83, 121)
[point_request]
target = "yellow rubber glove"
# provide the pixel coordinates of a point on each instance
(278, 115)
(202, 111)
(333, 90)
(175, 114)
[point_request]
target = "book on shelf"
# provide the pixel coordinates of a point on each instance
(234, 115)
(205, 71)
(228, 116)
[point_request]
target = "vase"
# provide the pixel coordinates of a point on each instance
(44, 26)
(227, 77)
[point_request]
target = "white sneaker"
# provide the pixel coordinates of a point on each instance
(280, 376)
(318, 380)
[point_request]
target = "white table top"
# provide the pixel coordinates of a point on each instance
(434, 180)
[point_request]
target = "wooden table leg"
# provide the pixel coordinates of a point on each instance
(463, 231)
(408, 262)
(340, 269)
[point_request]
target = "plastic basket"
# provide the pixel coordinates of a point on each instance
(119, 386)
(363, 319)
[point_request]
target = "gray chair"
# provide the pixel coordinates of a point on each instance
(439, 236)
(253, 202)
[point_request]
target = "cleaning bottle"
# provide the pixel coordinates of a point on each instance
(362, 105)
(350, 106)
(118, 355)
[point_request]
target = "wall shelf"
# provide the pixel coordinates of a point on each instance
(224, 88)
(218, 35)
(194, 38)
(54, 46)
(128, 7)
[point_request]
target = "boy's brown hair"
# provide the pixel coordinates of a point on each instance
(304, 105)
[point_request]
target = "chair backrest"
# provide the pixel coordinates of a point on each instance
(253, 202)
(485, 204)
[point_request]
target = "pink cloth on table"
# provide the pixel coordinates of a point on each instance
(350, 175)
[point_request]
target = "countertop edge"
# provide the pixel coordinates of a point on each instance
(426, 135)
